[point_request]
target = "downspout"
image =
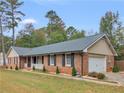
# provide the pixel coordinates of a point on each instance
(81, 64)
(31, 62)
(18, 61)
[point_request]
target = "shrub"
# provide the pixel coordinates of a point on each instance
(33, 67)
(44, 69)
(6, 67)
(16, 68)
(10, 67)
(115, 69)
(74, 72)
(100, 76)
(57, 70)
(93, 74)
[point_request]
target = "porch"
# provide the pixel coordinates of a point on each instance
(31, 61)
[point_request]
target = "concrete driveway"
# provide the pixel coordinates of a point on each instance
(119, 77)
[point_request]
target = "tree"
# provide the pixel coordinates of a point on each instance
(73, 33)
(110, 25)
(78, 34)
(55, 27)
(13, 15)
(30, 37)
(70, 31)
(38, 38)
(54, 21)
(7, 43)
(23, 41)
(57, 36)
(120, 46)
(3, 22)
(24, 38)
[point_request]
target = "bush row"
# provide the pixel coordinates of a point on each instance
(16, 68)
(97, 75)
(74, 72)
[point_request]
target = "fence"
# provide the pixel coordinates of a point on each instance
(120, 64)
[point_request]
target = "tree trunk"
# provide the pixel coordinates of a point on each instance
(13, 36)
(13, 26)
(2, 40)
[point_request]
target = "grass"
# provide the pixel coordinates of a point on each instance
(23, 82)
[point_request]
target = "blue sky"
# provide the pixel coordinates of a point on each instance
(82, 14)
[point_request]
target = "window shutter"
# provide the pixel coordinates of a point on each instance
(72, 60)
(54, 60)
(48, 60)
(63, 60)
(42, 59)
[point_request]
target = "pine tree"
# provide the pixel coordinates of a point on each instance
(12, 11)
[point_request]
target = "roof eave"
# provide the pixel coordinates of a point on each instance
(85, 50)
(10, 50)
(104, 35)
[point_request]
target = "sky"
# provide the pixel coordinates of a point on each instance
(82, 14)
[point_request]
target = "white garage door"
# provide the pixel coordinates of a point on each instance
(97, 64)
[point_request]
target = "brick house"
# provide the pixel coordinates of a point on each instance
(92, 53)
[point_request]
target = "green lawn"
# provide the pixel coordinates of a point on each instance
(22, 82)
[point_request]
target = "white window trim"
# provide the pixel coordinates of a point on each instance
(50, 60)
(68, 65)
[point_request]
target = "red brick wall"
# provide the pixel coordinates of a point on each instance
(85, 63)
(12, 62)
(78, 60)
(120, 64)
(65, 69)
(22, 61)
(110, 63)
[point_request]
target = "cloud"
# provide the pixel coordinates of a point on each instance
(29, 20)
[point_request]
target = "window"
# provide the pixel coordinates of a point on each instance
(51, 59)
(68, 60)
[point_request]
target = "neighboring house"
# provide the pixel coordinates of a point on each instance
(1, 59)
(89, 54)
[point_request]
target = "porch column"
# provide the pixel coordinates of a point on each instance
(27, 61)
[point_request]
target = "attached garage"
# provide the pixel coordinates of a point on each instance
(97, 64)
(98, 59)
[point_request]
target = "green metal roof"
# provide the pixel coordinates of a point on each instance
(62, 47)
